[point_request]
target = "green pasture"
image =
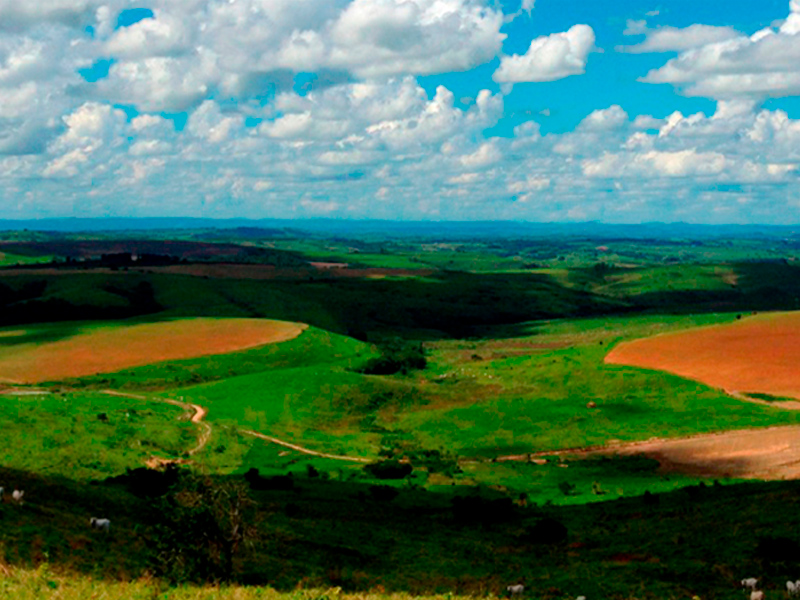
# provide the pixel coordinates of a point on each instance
(490, 400)
(8, 259)
(330, 538)
(476, 400)
(88, 435)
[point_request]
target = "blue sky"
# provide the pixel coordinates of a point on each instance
(549, 110)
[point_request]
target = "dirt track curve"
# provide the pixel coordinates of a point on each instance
(280, 442)
(199, 413)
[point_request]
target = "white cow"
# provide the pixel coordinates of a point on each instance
(17, 496)
(756, 595)
(103, 524)
(750, 583)
(515, 590)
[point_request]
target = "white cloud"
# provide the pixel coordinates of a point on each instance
(671, 39)
(612, 117)
(765, 64)
(241, 47)
(549, 57)
(486, 155)
(162, 83)
(17, 15)
(163, 35)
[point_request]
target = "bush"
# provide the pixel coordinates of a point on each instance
(566, 487)
(397, 356)
(389, 469)
(547, 531)
(277, 482)
(147, 483)
(383, 493)
(205, 523)
(483, 510)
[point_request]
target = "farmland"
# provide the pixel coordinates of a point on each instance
(477, 370)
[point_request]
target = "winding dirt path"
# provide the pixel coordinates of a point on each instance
(199, 413)
(303, 450)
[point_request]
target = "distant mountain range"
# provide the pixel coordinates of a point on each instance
(437, 229)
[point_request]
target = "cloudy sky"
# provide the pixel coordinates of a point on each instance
(538, 110)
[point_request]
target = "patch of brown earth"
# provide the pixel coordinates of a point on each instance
(757, 354)
(111, 349)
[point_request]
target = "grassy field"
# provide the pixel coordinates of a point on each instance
(475, 401)
(325, 534)
(8, 259)
(515, 338)
(88, 435)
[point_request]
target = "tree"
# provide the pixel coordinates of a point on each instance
(205, 524)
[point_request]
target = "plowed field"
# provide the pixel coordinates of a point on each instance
(759, 354)
(109, 349)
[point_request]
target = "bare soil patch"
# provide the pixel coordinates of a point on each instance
(756, 354)
(769, 453)
(114, 348)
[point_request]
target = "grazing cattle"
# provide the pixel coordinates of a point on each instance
(103, 524)
(791, 588)
(750, 583)
(515, 590)
(17, 496)
(756, 595)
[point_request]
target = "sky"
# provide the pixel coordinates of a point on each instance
(619, 111)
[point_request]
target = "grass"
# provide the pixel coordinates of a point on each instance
(64, 433)
(531, 394)
(327, 538)
(8, 259)
(312, 347)
(476, 400)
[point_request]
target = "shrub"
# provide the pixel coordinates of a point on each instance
(547, 531)
(397, 356)
(389, 469)
(566, 487)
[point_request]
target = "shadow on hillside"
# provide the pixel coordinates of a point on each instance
(315, 532)
(445, 305)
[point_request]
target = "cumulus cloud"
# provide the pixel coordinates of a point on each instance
(672, 39)
(549, 57)
(612, 117)
(358, 135)
(249, 45)
(16, 15)
(655, 163)
(765, 64)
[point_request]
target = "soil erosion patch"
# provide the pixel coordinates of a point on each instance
(757, 354)
(109, 349)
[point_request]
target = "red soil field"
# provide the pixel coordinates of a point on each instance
(110, 349)
(757, 354)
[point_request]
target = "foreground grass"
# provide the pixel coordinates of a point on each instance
(323, 535)
(47, 582)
